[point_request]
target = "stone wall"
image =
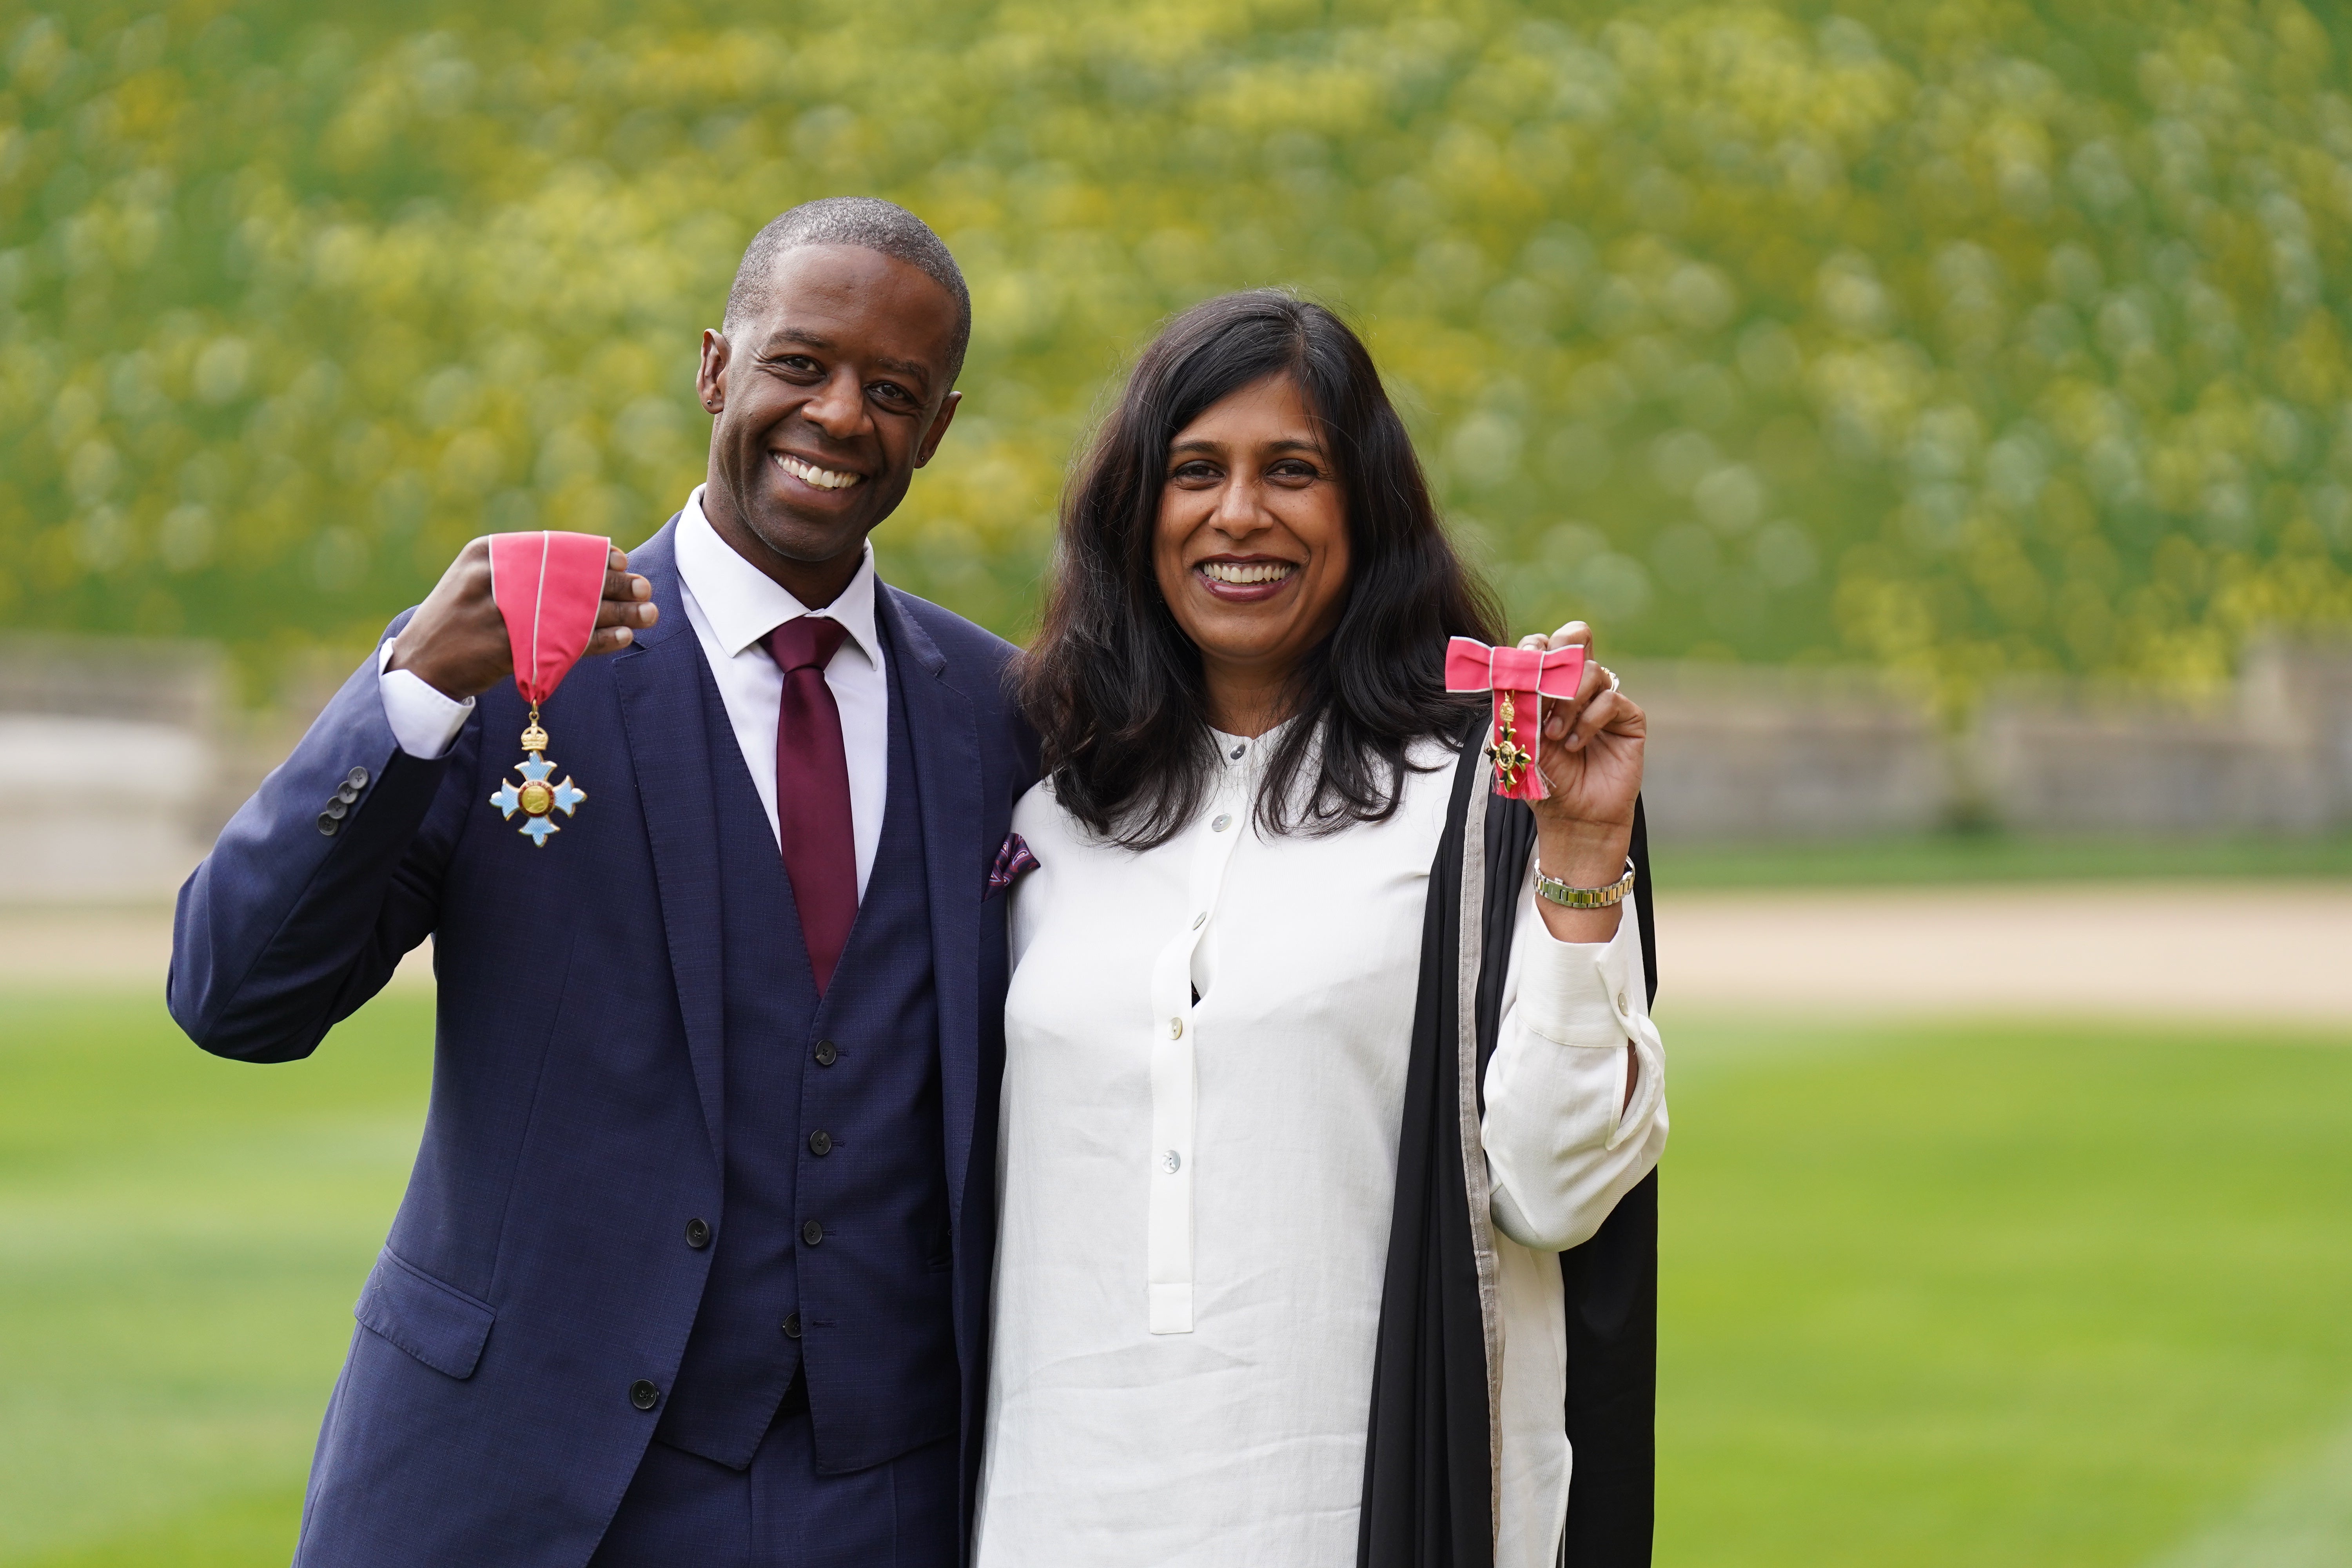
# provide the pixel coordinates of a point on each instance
(1796, 753)
(1751, 752)
(107, 760)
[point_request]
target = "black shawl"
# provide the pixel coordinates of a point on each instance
(1429, 1458)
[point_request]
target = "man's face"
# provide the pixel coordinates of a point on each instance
(825, 402)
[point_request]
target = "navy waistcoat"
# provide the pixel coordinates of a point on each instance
(834, 1220)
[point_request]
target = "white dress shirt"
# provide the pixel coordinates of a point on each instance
(733, 607)
(1195, 1220)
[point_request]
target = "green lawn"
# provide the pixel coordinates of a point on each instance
(1934, 1296)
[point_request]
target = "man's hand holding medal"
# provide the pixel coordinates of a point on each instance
(458, 643)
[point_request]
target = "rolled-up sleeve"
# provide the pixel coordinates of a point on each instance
(1563, 1145)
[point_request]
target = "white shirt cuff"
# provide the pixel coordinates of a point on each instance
(424, 722)
(1583, 993)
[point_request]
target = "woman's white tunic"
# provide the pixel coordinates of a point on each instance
(1196, 1196)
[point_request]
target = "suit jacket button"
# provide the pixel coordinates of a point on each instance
(357, 778)
(697, 1234)
(792, 1326)
(826, 1055)
(820, 1142)
(346, 794)
(339, 809)
(643, 1394)
(328, 825)
(811, 1233)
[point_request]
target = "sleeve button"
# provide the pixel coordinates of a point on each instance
(357, 778)
(328, 825)
(643, 1394)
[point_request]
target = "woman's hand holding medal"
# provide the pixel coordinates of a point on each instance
(458, 641)
(1591, 759)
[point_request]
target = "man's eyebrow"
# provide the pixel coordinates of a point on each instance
(793, 335)
(914, 368)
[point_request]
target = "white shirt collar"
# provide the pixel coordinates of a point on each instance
(743, 604)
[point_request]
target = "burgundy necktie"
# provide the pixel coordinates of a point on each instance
(813, 819)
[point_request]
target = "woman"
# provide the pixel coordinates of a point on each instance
(1253, 1305)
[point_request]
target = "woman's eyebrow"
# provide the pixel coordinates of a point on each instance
(1287, 444)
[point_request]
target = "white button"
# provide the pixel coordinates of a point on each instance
(1221, 823)
(1620, 1001)
(1172, 1162)
(1200, 919)
(1175, 1028)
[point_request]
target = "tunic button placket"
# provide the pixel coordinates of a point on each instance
(1169, 1240)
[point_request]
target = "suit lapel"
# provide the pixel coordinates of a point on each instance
(660, 685)
(946, 736)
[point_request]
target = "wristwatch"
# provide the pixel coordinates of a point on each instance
(1561, 893)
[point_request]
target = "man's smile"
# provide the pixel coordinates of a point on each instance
(814, 475)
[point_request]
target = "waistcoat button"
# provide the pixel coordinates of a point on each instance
(697, 1234)
(820, 1143)
(792, 1326)
(826, 1053)
(643, 1394)
(811, 1233)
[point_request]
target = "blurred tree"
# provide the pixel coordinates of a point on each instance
(1963, 338)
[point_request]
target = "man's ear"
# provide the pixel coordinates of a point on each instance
(710, 376)
(939, 428)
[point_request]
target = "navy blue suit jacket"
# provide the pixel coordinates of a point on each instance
(537, 1270)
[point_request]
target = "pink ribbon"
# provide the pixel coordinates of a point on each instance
(1521, 680)
(548, 586)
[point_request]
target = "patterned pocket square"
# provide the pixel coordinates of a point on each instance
(1011, 860)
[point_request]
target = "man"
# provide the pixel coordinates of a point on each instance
(693, 1267)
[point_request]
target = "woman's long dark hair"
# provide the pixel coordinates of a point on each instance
(1112, 683)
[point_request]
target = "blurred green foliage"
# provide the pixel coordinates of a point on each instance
(1964, 336)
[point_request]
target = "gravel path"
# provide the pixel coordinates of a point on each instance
(2276, 950)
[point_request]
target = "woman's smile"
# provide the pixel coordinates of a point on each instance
(1244, 579)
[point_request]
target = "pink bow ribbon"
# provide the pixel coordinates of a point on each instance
(1521, 680)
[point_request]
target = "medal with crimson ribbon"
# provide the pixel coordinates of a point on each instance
(1520, 679)
(548, 586)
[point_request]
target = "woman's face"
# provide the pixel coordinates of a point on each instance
(1252, 544)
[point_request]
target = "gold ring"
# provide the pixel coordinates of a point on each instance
(1612, 675)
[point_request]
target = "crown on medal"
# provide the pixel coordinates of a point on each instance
(534, 739)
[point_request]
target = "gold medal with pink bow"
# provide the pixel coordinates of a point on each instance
(1518, 678)
(549, 586)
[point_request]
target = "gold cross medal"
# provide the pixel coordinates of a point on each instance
(1510, 758)
(548, 587)
(535, 797)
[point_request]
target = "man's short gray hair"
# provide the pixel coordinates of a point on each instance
(868, 223)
